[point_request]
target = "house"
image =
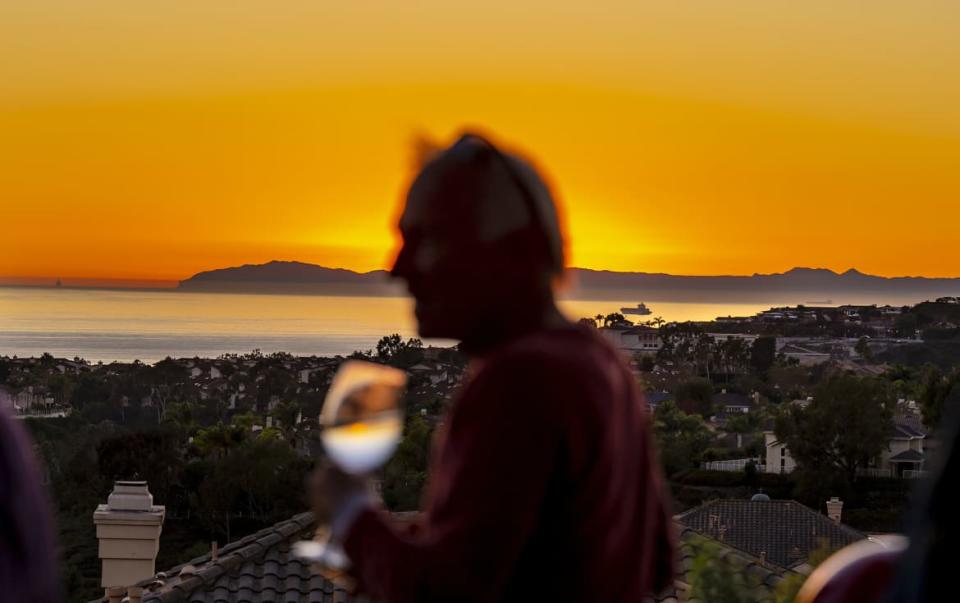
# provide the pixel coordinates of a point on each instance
(903, 456)
(655, 399)
(778, 457)
(734, 404)
(7, 398)
(634, 339)
(905, 453)
(747, 338)
(780, 532)
(805, 356)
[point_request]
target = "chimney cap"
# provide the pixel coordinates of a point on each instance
(130, 496)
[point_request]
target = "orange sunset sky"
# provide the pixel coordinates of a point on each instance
(152, 140)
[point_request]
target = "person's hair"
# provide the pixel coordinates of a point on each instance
(539, 242)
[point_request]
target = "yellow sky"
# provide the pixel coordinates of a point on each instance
(154, 140)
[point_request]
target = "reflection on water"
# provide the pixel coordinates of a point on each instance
(149, 325)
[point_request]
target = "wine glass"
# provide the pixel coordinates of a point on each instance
(361, 424)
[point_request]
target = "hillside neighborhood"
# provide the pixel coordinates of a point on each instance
(738, 406)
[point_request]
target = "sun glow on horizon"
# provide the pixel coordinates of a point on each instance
(150, 143)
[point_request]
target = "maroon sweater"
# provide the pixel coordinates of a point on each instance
(544, 486)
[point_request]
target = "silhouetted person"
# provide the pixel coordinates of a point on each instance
(28, 563)
(543, 484)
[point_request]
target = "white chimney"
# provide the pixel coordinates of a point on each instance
(128, 528)
(834, 509)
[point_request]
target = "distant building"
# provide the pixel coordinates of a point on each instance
(634, 339)
(778, 457)
(903, 456)
(7, 398)
(734, 404)
(747, 338)
(655, 399)
(805, 356)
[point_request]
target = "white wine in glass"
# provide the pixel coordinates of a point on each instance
(361, 423)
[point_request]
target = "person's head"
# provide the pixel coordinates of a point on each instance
(481, 241)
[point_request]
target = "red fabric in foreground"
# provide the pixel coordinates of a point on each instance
(865, 580)
(544, 486)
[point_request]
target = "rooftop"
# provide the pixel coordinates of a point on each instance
(907, 428)
(908, 455)
(257, 568)
(784, 532)
(260, 568)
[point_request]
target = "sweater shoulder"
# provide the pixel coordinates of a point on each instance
(570, 352)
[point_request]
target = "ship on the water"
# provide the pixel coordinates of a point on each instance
(641, 309)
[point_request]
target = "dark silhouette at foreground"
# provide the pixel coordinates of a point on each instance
(544, 484)
(28, 563)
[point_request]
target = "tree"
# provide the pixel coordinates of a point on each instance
(152, 455)
(644, 362)
(763, 353)
(613, 318)
(599, 319)
(406, 473)
(695, 396)
(681, 438)
(741, 424)
(717, 578)
(677, 342)
(846, 426)
(168, 383)
(219, 439)
(790, 381)
(704, 353)
(91, 388)
(656, 322)
(393, 348)
(936, 391)
(863, 348)
(286, 415)
(733, 355)
(391, 345)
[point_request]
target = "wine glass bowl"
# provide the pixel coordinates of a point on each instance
(361, 425)
(362, 421)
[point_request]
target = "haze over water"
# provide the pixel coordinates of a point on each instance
(108, 325)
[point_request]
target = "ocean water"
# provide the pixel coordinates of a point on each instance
(107, 325)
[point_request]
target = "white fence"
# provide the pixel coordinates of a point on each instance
(42, 412)
(732, 465)
(907, 473)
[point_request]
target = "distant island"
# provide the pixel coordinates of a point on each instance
(292, 277)
(806, 283)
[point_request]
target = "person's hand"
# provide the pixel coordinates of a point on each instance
(338, 497)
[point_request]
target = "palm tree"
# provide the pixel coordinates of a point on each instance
(613, 318)
(599, 319)
(219, 439)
